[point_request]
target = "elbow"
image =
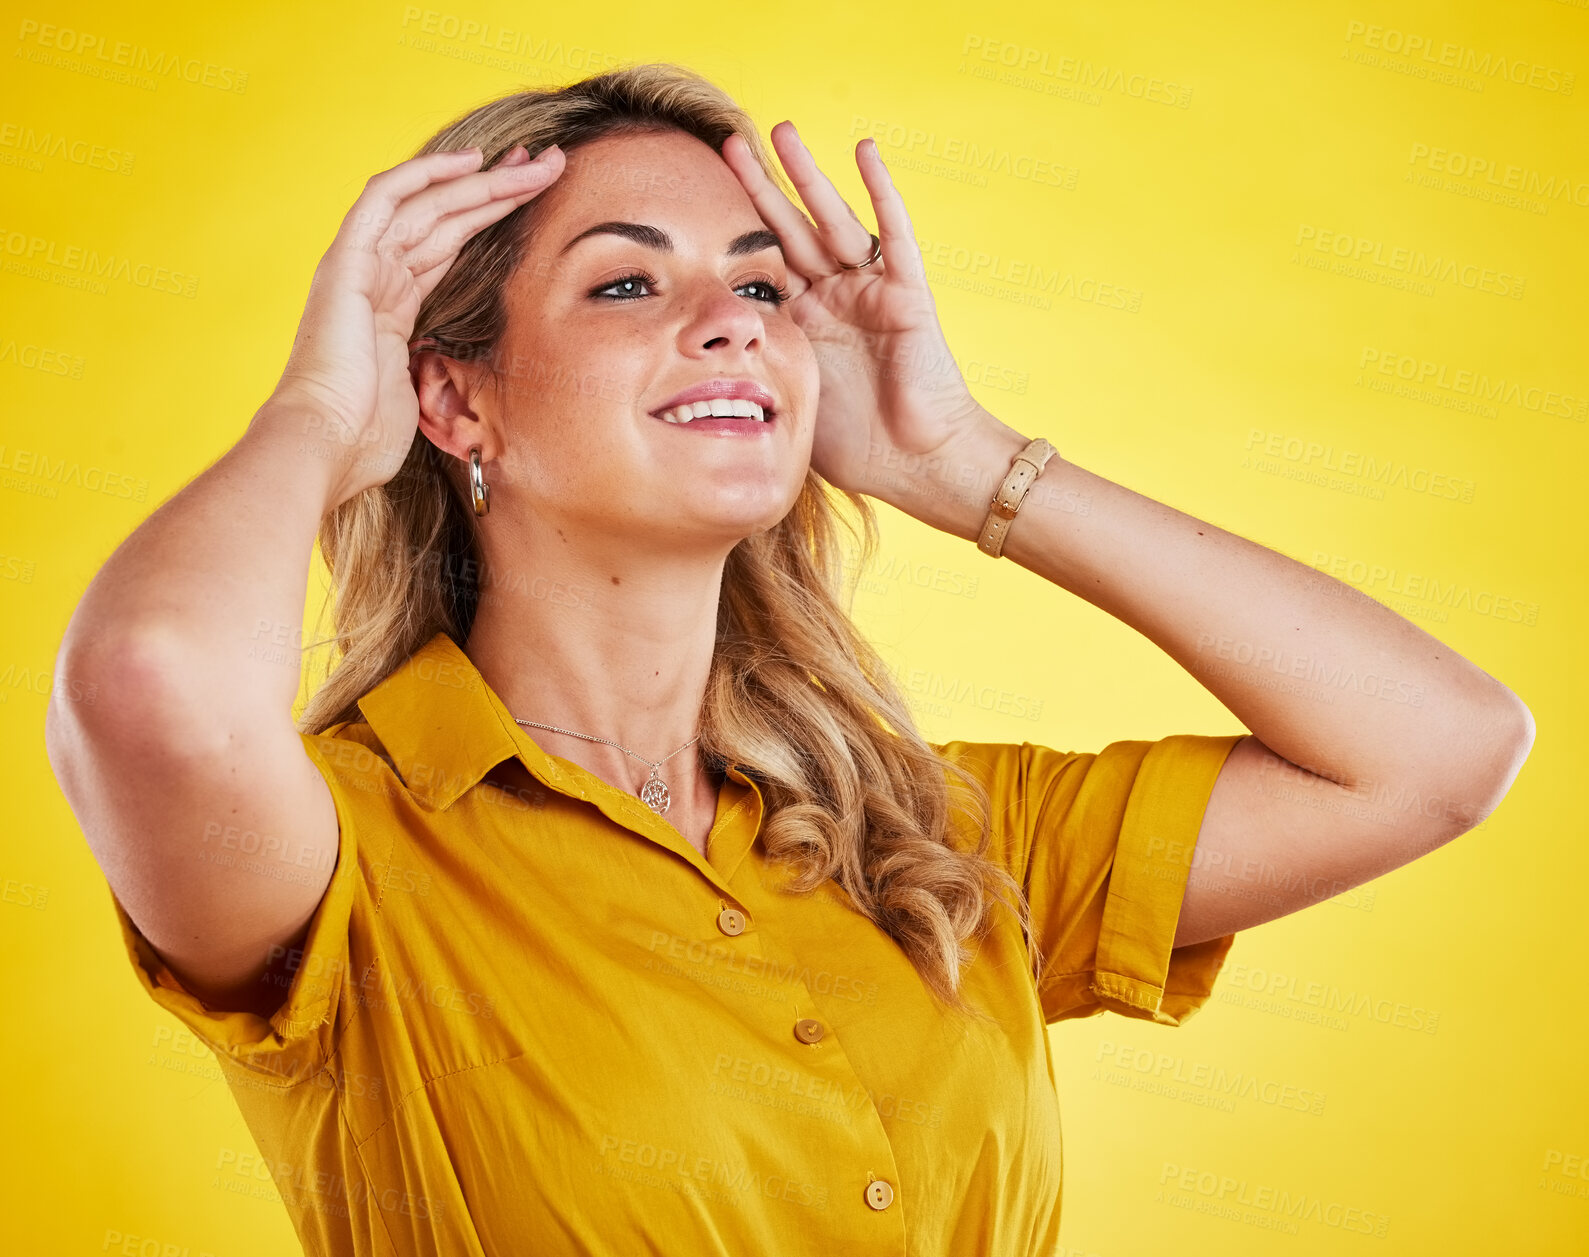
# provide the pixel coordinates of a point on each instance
(1523, 732)
(1505, 738)
(1513, 745)
(123, 689)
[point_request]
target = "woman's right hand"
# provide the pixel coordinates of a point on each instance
(347, 383)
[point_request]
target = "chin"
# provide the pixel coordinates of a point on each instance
(737, 525)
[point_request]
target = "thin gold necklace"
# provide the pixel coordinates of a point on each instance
(654, 793)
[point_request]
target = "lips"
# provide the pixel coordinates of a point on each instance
(720, 398)
(717, 408)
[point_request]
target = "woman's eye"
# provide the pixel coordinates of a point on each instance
(769, 292)
(634, 287)
(628, 288)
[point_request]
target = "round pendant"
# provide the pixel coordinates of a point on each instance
(654, 794)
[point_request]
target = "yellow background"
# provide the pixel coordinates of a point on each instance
(1217, 138)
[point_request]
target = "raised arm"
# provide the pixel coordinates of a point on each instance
(1372, 742)
(186, 773)
(215, 829)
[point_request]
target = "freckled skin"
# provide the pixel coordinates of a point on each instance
(570, 436)
(572, 451)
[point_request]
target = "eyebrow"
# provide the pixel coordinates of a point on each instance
(656, 238)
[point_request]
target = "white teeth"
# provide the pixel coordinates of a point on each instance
(721, 407)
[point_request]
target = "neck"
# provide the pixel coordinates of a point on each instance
(615, 643)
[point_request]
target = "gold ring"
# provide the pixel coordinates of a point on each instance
(877, 252)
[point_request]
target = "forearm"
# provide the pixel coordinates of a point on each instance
(196, 615)
(1321, 673)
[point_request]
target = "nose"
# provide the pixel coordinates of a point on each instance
(720, 320)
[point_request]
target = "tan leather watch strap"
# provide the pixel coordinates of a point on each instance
(1028, 464)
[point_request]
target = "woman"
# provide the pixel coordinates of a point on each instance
(606, 898)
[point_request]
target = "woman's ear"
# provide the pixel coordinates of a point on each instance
(449, 392)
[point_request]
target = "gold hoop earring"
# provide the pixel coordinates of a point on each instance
(478, 488)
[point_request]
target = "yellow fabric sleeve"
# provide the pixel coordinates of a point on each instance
(293, 1043)
(1102, 843)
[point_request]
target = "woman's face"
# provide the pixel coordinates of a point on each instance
(608, 324)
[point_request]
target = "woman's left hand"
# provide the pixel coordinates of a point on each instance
(888, 383)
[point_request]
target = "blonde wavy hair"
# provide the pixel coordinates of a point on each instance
(795, 694)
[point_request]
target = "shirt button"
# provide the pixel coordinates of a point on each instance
(731, 921)
(880, 1194)
(809, 1030)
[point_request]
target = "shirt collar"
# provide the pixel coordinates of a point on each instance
(445, 728)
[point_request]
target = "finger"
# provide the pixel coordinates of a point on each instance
(421, 212)
(429, 259)
(842, 232)
(384, 192)
(901, 255)
(416, 217)
(802, 247)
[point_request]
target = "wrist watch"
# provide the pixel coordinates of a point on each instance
(1007, 501)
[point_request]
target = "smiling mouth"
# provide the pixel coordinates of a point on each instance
(717, 408)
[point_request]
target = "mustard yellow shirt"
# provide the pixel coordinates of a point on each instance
(530, 1018)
